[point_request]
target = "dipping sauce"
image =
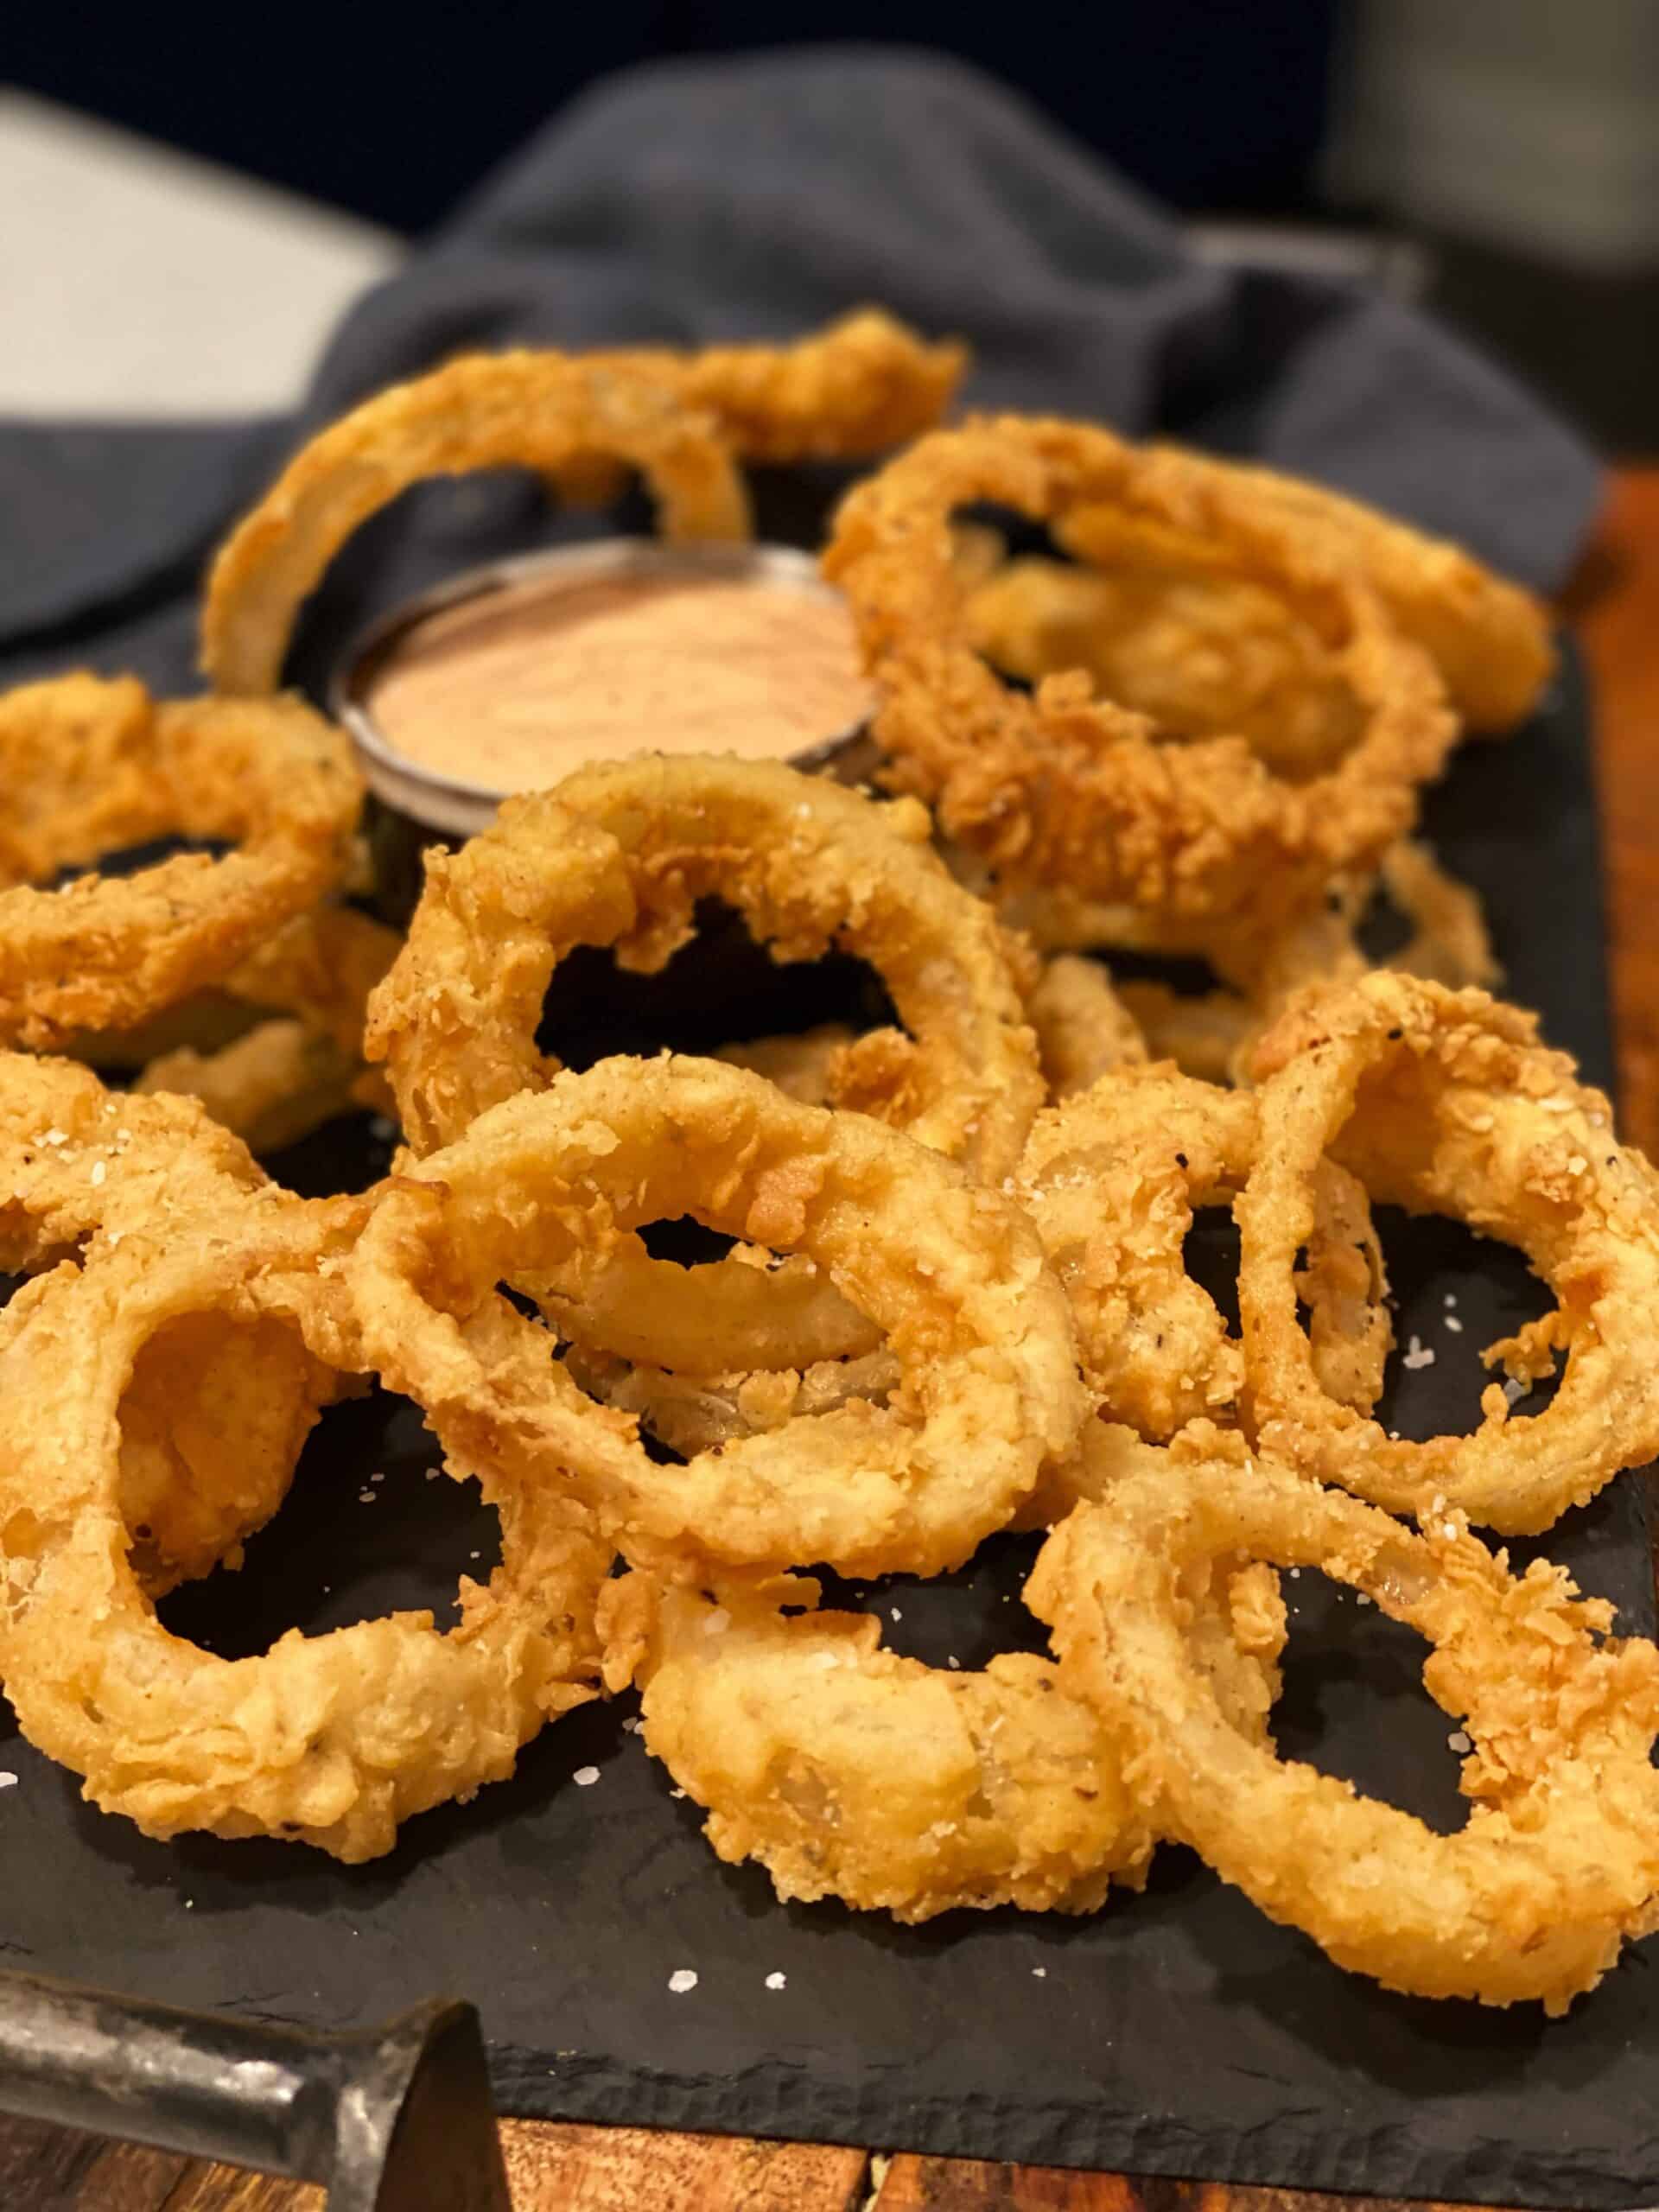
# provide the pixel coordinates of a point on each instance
(514, 688)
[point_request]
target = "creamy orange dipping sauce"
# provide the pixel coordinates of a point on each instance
(514, 689)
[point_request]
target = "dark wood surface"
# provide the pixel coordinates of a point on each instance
(1614, 605)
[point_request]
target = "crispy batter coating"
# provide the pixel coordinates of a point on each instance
(1112, 1178)
(803, 1065)
(272, 1086)
(1210, 1034)
(216, 1410)
(1198, 652)
(274, 1081)
(1083, 1029)
(1489, 639)
(1558, 1866)
(1063, 786)
(849, 1772)
(1444, 1102)
(270, 777)
(541, 1185)
(620, 855)
(692, 1413)
(331, 1740)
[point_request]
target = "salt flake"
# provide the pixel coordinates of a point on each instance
(585, 1777)
(682, 1981)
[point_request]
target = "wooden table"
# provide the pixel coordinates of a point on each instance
(1614, 606)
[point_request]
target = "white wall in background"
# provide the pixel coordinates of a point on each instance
(135, 281)
(1530, 123)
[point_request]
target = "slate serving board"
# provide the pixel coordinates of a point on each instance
(1179, 2032)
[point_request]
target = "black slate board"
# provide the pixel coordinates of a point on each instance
(1175, 2033)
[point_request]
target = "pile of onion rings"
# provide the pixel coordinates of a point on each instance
(952, 1298)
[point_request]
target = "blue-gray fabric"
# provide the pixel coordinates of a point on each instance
(755, 197)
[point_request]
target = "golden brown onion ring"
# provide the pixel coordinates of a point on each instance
(1083, 1029)
(1200, 653)
(540, 1186)
(620, 855)
(848, 1771)
(1489, 639)
(533, 411)
(330, 1740)
(1112, 1178)
(1558, 1863)
(269, 777)
(217, 1409)
(1062, 787)
(1446, 1103)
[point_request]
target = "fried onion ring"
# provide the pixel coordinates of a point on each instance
(330, 1740)
(1083, 1029)
(1112, 1178)
(536, 410)
(1063, 786)
(620, 855)
(1558, 1865)
(1489, 639)
(269, 777)
(215, 1412)
(1446, 1103)
(849, 1772)
(539, 1186)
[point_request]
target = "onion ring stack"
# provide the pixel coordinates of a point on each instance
(955, 1303)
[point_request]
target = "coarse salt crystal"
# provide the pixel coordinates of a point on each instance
(55, 1136)
(717, 1623)
(897, 1615)
(1577, 1165)
(1360, 1598)
(99, 1171)
(585, 1777)
(682, 1981)
(1459, 1742)
(1417, 1355)
(676, 1793)
(8, 1781)
(365, 1497)
(1453, 1324)
(1516, 1386)
(777, 1981)
(1451, 1298)
(954, 1662)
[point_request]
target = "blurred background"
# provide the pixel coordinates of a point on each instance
(188, 210)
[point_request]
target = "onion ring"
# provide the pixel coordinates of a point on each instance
(270, 778)
(543, 1183)
(1489, 639)
(1112, 1178)
(537, 411)
(848, 1771)
(1558, 1863)
(620, 855)
(216, 1410)
(1061, 786)
(330, 1740)
(1200, 653)
(1083, 1029)
(1446, 1103)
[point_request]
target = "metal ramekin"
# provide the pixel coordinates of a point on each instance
(415, 807)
